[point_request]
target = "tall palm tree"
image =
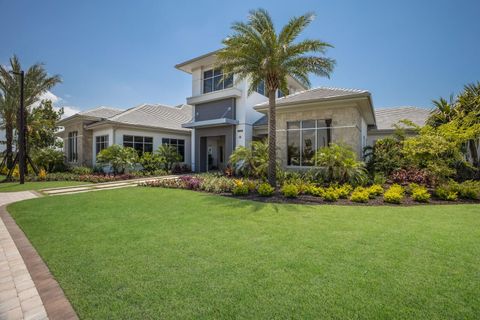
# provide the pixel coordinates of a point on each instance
(37, 82)
(255, 51)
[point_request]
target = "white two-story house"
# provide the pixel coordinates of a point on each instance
(223, 112)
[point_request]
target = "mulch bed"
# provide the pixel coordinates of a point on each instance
(311, 200)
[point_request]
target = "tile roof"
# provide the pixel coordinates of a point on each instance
(101, 112)
(315, 94)
(387, 117)
(156, 115)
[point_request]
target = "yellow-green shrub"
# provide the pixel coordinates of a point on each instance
(314, 191)
(265, 190)
(394, 194)
(420, 194)
(42, 175)
(360, 195)
(344, 191)
(330, 195)
(375, 190)
(290, 191)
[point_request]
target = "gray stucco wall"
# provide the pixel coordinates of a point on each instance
(200, 155)
(224, 108)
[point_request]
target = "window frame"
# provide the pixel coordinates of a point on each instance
(327, 127)
(73, 146)
(103, 144)
(135, 141)
(216, 74)
(179, 146)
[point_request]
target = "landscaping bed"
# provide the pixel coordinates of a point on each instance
(311, 200)
(299, 191)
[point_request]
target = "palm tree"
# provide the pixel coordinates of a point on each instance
(37, 82)
(257, 52)
(444, 112)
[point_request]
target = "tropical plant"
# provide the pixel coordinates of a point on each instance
(251, 160)
(255, 51)
(168, 156)
(49, 159)
(385, 156)
(150, 162)
(339, 164)
(119, 158)
(37, 82)
(443, 112)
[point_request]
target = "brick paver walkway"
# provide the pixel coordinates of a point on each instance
(19, 298)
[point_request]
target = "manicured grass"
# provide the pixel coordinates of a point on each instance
(145, 253)
(15, 186)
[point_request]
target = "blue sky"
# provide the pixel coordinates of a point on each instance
(122, 53)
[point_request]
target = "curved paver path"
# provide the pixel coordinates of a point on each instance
(26, 293)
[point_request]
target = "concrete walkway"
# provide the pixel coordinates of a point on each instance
(101, 186)
(19, 298)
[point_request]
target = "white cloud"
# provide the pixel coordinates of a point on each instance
(56, 100)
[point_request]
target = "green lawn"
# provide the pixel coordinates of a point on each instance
(16, 186)
(150, 253)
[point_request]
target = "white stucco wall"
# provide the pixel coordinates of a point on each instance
(2, 138)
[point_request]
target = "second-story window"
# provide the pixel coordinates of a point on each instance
(261, 88)
(212, 80)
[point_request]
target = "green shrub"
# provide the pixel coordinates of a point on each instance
(118, 158)
(50, 159)
(360, 195)
(240, 190)
(375, 190)
(394, 194)
(81, 170)
(150, 162)
(265, 190)
(344, 191)
(469, 190)
(339, 164)
(330, 195)
(420, 194)
(290, 191)
(446, 193)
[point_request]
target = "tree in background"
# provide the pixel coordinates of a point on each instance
(37, 82)
(257, 52)
(42, 125)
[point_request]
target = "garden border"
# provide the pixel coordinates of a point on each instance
(54, 300)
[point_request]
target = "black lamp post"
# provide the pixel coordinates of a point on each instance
(21, 129)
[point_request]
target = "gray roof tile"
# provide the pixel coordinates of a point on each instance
(101, 112)
(156, 115)
(388, 117)
(315, 94)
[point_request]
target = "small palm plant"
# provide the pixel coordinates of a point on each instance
(256, 51)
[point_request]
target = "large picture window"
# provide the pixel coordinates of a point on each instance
(101, 142)
(212, 80)
(304, 138)
(73, 146)
(139, 143)
(179, 144)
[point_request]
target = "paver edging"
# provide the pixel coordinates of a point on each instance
(54, 300)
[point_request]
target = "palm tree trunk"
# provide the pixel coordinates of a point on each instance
(9, 142)
(272, 132)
